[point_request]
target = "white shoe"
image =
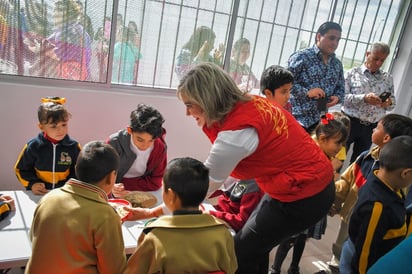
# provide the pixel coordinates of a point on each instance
(333, 265)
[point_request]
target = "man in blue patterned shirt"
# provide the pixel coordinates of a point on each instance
(369, 94)
(318, 77)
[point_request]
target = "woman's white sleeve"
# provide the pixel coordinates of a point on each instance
(229, 148)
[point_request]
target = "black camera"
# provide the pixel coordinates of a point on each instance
(384, 96)
(322, 101)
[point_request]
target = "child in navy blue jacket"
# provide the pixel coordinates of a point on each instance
(379, 219)
(48, 160)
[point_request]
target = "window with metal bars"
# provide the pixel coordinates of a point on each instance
(152, 43)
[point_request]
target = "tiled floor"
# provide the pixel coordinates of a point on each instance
(316, 253)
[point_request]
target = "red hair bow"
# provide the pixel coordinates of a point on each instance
(326, 118)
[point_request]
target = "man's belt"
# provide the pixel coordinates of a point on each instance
(365, 123)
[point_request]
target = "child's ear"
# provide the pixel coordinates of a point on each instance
(322, 138)
(41, 126)
(386, 138)
(129, 130)
(405, 172)
(268, 93)
(110, 178)
(113, 176)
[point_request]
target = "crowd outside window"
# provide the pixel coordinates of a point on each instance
(198, 49)
(67, 49)
(239, 70)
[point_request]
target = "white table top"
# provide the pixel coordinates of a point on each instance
(14, 231)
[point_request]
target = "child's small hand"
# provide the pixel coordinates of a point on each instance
(333, 210)
(119, 191)
(39, 189)
(203, 209)
(9, 200)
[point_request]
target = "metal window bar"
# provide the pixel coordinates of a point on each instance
(158, 44)
(256, 36)
(300, 28)
(231, 33)
(175, 47)
(377, 33)
(284, 33)
(347, 38)
(360, 31)
(271, 32)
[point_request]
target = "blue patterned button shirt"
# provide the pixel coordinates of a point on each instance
(359, 81)
(309, 72)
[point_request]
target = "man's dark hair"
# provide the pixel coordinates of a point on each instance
(189, 179)
(325, 27)
(95, 161)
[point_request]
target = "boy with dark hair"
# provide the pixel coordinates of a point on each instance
(355, 175)
(187, 241)
(276, 83)
(142, 150)
(48, 160)
(379, 219)
(74, 228)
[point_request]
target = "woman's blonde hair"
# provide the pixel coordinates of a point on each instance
(212, 89)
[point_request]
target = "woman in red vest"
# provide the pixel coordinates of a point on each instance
(254, 138)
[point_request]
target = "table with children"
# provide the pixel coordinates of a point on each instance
(15, 231)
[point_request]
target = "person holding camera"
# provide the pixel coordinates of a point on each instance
(369, 94)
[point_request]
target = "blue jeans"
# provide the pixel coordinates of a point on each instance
(348, 250)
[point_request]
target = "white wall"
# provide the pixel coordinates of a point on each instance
(402, 71)
(95, 115)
